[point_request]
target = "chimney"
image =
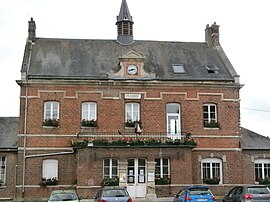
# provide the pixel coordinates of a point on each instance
(32, 30)
(212, 35)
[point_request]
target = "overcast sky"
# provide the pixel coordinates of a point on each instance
(244, 36)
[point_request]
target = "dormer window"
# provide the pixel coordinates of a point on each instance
(178, 69)
(212, 69)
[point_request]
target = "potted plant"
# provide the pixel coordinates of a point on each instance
(51, 122)
(214, 180)
(131, 124)
(48, 181)
(265, 181)
(114, 181)
(211, 124)
(162, 180)
(89, 123)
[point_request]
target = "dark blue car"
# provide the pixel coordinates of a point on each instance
(194, 194)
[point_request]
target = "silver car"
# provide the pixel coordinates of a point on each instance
(248, 193)
(63, 196)
(109, 194)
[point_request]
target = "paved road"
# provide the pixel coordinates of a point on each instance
(168, 199)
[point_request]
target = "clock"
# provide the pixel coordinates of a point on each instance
(132, 69)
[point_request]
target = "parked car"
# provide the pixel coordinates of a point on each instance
(248, 193)
(63, 195)
(108, 194)
(194, 194)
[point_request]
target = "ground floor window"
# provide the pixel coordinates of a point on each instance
(50, 168)
(211, 169)
(162, 171)
(262, 169)
(110, 168)
(2, 169)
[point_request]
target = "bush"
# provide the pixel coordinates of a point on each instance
(265, 181)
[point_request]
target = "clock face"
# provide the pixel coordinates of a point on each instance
(132, 69)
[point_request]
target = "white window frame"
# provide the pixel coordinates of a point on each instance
(89, 111)
(212, 161)
(52, 107)
(132, 112)
(176, 134)
(111, 175)
(209, 113)
(3, 168)
(161, 166)
(263, 163)
(50, 168)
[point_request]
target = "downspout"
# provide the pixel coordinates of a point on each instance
(24, 137)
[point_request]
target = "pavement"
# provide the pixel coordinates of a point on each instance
(165, 199)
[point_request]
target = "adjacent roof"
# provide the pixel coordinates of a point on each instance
(254, 141)
(94, 59)
(9, 129)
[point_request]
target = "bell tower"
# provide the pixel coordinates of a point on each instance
(124, 25)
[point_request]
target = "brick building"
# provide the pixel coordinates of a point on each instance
(152, 116)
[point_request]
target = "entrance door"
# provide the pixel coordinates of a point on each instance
(136, 177)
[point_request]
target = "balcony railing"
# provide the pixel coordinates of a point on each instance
(132, 139)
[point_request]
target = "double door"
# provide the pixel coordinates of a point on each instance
(136, 177)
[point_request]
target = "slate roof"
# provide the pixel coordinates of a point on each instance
(124, 13)
(253, 141)
(93, 59)
(9, 129)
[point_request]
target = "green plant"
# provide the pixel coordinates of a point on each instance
(51, 122)
(79, 142)
(89, 123)
(114, 181)
(214, 180)
(265, 181)
(162, 181)
(131, 124)
(48, 181)
(211, 124)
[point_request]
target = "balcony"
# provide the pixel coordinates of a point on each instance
(98, 139)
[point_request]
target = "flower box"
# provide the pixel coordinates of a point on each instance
(89, 123)
(212, 124)
(162, 181)
(51, 122)
(215, 180)
(114, 181)
(48, 181)
(265, 181)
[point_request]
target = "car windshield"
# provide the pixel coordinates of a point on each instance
(63, 197)
(115, 193)
(258, 190)
(199, 191)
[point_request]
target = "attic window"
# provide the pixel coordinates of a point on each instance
(211, 69)
(178, 69)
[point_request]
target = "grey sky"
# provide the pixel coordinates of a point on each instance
(244, 35)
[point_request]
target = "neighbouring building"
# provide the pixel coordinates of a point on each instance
(149, 115)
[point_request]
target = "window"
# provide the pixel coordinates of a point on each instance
(50, 168)
(2, 169)
(173, 120)
(51, 110)
(211, 168)
(178, 69)
(89, 111)
(262, 169)
(110, 168)
(162, 169)
(132, 112)
(210, 115)
(211, 69)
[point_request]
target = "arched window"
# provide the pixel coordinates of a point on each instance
(262, 169)
(211, 168)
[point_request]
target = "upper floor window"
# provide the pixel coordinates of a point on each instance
(89, 111)
(211, 169)
(132, 112)
(51, 113)
(262, 169)
(173, 120)
(210, 116)
(2, 170)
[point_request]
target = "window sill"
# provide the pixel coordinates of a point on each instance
(207, 128)
(50, 126)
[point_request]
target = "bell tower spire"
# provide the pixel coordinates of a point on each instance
(124, 25)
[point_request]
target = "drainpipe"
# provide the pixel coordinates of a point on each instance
(49, 154)
(24, 137)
